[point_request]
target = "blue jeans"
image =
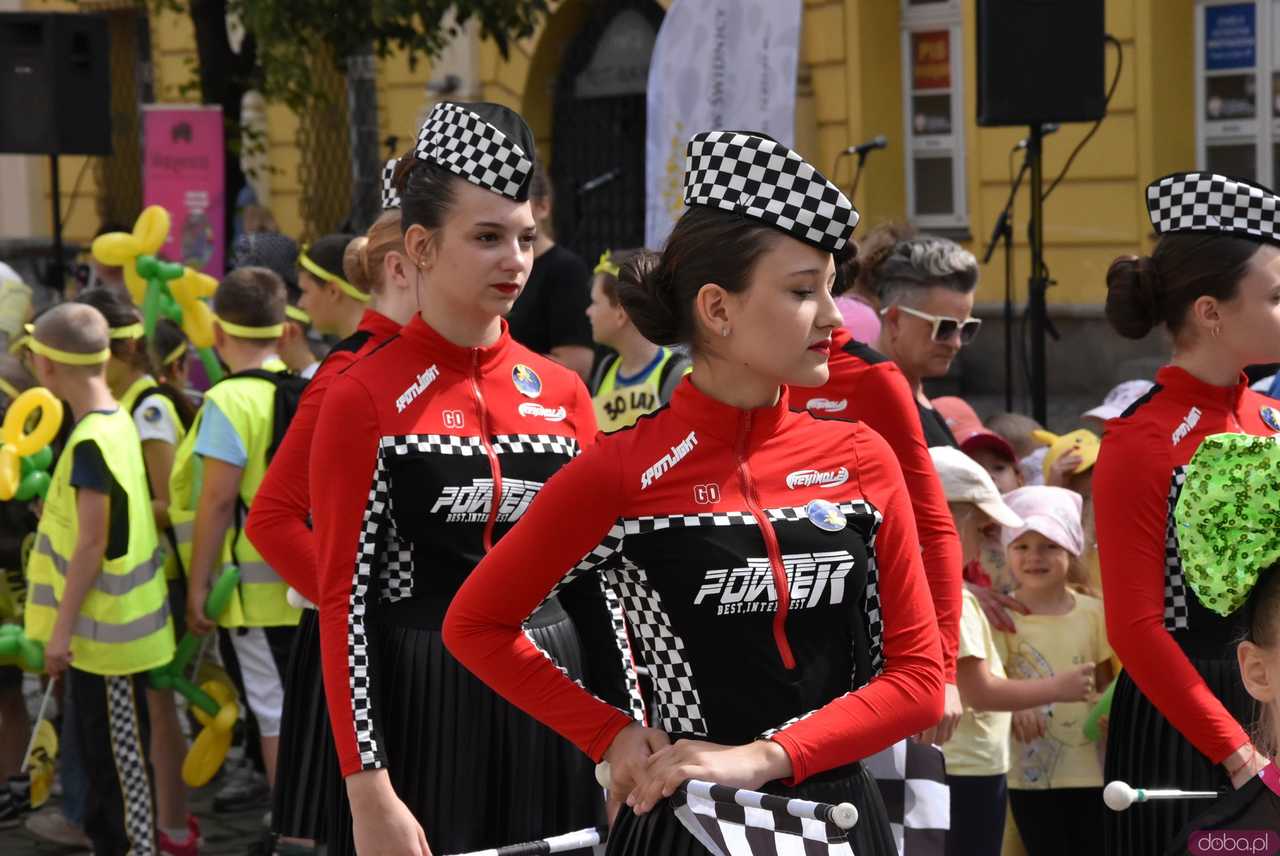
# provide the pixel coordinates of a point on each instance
(75, 783)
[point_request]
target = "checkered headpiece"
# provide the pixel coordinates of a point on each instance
(390, 196)
(487, 144)
(753, 175)
(1207, 202)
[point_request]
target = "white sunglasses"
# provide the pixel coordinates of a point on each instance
(944, 327)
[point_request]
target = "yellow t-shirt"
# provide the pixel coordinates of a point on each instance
(980, 745)
(1046, 645)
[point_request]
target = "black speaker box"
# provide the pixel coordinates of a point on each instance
(1041, 61)
(55, 84)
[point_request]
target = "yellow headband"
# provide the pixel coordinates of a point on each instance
(320, 273)
(67, 358)
(174, 355)
(297, 314)
(129, 331)
(19, 343)
(9, 389)
(606, 265)
(272, 332)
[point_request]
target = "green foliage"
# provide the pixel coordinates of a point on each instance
(290, 33)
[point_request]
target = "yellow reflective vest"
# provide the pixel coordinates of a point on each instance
(129, 400)
(124, 626)
(249, 405)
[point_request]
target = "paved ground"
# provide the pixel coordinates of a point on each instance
(223, 834)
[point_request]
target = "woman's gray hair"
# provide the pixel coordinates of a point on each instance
(924, 262)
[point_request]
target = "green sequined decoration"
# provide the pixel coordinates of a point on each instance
(1228, 518)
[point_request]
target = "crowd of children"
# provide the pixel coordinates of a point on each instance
(377, 508)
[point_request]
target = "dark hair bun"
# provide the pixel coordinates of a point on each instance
(1134, 296)
(648, 295)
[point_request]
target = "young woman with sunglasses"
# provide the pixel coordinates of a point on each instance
(831, 652)
(926, 289)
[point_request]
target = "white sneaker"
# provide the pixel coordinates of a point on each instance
(52, 825)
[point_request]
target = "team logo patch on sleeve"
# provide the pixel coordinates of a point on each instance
(1271, 417)
(827, 516)
(817, 478)
(152, 414)
(827, 405)
(526, 380)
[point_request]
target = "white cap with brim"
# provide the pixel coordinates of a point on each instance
(964, 480)
(1119, 399)
(1054, 512)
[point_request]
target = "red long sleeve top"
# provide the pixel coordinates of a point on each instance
(768, 566)
(279, 522)
(1153, 621)
(867, 386)
(425, 455)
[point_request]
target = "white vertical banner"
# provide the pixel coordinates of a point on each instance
(717, 65)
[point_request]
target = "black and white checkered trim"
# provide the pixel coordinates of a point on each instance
(131, 764)
(1175, 585)
(396, 576)
(359, 674)
(618, 619)
(646, 524)
(1207, 202)
(502, 444)
(535, 444)
(676, 698)
(764, 180)
(390, 196)
(466, 145)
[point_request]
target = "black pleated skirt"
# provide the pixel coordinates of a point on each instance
(661, 832)
(475, 771)
(308, 773)
(1145, 750)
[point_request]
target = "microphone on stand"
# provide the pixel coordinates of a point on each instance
(1045, 130)
(599, 181)
(877, 142)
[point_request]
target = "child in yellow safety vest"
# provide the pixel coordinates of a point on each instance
(97, 596)
(640, 376)
(216, 474)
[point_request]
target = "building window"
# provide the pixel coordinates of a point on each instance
(1237, 65)
(932, 82)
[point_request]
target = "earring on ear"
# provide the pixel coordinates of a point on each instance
(724, 331)
(1217, 330)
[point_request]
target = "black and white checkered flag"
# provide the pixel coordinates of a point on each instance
(592, 837)
(738, 822)
(913, 784)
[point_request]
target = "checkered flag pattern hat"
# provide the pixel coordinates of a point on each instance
(758, 177)
(487, 144)
(390, 196)
(1208, 202)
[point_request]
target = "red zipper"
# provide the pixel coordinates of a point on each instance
(771, 546)
(494, 469)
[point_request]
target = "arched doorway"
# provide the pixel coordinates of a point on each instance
(598, 129)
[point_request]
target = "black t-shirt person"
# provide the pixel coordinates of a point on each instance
(552, 310)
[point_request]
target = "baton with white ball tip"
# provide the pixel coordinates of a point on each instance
(1120, 795)
(844, 815)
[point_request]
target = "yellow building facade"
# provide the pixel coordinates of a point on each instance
(860, 62)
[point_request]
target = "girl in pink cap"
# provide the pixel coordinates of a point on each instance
(1055, 783)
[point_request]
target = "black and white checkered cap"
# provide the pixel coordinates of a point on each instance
(487, 144)
(758, 177)
(1208, 202)
(390, 196)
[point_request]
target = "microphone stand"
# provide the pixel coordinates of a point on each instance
(1003, 232)
(857, 175)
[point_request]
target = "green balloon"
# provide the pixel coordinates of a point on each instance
(25, 465)
(169, 271)
(147, 266)
(33, 484)
(42, 459)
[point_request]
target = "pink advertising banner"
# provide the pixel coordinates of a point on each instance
(183, 172)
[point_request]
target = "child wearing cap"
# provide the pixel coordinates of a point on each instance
(97, 596)
(978, 753)
(1056, 781)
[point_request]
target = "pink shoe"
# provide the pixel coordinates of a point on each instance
(190, 847)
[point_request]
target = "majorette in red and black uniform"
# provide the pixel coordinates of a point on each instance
(764, 602)
(279, 525)
(1179, 703)
(425, 455)
(867, 386)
